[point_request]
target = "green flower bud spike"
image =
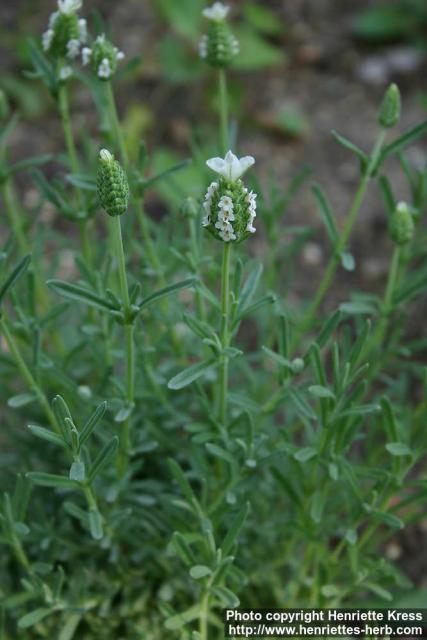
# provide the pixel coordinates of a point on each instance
(113, 186)
(219, 46)
(103, 56)
(402, 225)
(389, 113)
(230, 209)
(66, 32)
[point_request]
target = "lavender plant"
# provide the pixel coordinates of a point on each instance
(179, 437)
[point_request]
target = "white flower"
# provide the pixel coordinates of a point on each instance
(52, 19)
(217, 12)
(105, 155)
(69, 6)
(101, 39)
(231, 167)
(86, 54)
(47, 39)
(73, 48)
(203, 47)
(250, 227)
(228, 234)
(120, 55)
(65, 73)
(104, 69)
(206, 220)
(82, 30)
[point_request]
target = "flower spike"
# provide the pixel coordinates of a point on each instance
(230, 209)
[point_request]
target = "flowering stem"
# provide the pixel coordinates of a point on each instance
(130, 346)
(224, 332)
(223, 110)
(64, 110)
(115, 125)
(203, 620)
(307, 321)
(13, 212)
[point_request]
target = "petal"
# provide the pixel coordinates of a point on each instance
(245, 163)
(218, 165)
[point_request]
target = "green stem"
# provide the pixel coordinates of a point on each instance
(223, 110)
(64, 110)
(26, 374)
(203, 619)
(387, 306)
(124, 447)
(308, 319)
(13, 213)
(224, 332)
(115, 125)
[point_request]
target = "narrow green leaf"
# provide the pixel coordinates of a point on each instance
(227, 597)
(181, 479)
(21, 400)
(301, 404)
(321, 392)
(92, 423)
(103, 458)
(77, 471)
(398, 449)
(81, 294)
(95, 524)
(148, 182)
(258, 304)
(69, 629)
(200, 571)
(234, 530)
(249, 288)
(180, 620)
(347, 261)
(305, 454)
(347, 144)
(328, 328)
(219, 452)
(47, 434)
(51, 480)
(357, 308)
(166, 291)
(325, 213)
(13, 276)
(33, 617)
(403, 141)
(182, 548)
(35, 161)
(379, 591)
(189, 375)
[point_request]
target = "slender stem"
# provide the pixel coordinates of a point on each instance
(224, 332)
(203, 619)
(223, 109)
(64, 110)
(124, 447)
(26, 373)
(308, 319)
(115, 125)
(13, 213)
(387, 305)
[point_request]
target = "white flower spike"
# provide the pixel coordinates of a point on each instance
(231, 167)
(217, 13)
(69, 6)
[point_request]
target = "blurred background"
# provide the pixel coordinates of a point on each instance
(306, 67)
